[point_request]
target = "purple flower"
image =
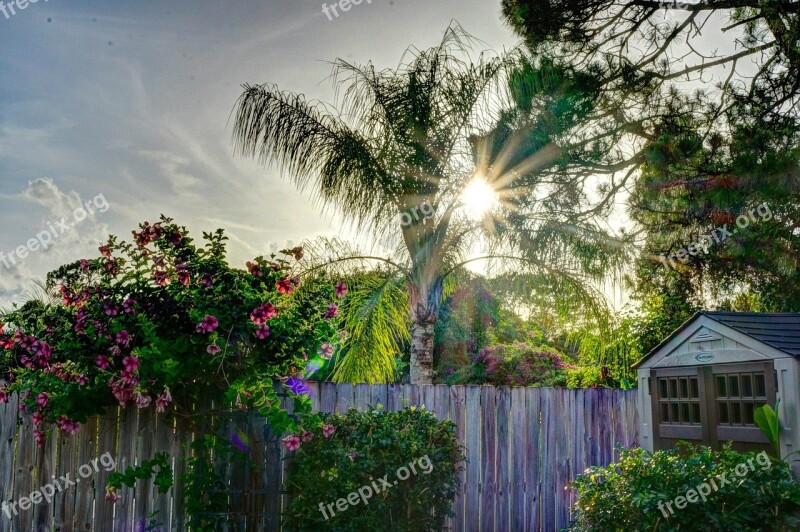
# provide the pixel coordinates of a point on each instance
(208, 325)
(123, 338)
(262, 333)
(128, 305)
(213, 349)
(131, 364)
(297, 386)
(332, 312)
(341, 289)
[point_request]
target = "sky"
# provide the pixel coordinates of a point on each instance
(116, 112)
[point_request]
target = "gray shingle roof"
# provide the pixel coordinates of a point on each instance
(778, 330)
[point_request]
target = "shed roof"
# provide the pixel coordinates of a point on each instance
(780, 330)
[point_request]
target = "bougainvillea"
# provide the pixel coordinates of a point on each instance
(514, 365)
(160, 323)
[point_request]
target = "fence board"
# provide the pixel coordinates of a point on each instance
(107, 443)
(533, 458)
(45, 468)
(523, 446)
(488, 457)
(85, 476)
(458, 415)
(502, 488)
(473, 445)
(551, 432)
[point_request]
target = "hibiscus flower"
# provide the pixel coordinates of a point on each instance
(291, 442)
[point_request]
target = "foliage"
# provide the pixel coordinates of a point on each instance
(586, 377)
(626, 495)
(164, 323)
(358, 449)
(375, 322)
(766, 419)
(609, 351)
(514, 365)
(159, 468)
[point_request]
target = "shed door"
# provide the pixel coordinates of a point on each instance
(711, 405)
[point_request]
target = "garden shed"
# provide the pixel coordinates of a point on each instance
(704, 381)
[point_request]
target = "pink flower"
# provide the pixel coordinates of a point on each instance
(3, 396)
(254, 269)
(110, 309)
(123, 338)
(7, 343)
(291, 442)
(213, 349)
(205, 280)
(42, 399)
(128, 306)
(208, 325)
(102, 361)
(161, 277)
(112, 495)
(285, 286)
(68, 426)
(307, 436)
(341, 289)
(262, 313)
(143, 401)
(262, 333)
(39, 437)
(82, 380)
(105, 250)
(328, 430)
(131, 363)
(37, 418)
(163, 401)
(352, 456)
(326, 351)
(84, 265)
(332, 312)
(184, 277)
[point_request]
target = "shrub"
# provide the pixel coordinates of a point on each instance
(632, 493)
(514, 365)
(354, 452)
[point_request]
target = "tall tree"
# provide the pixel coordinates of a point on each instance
(408, 154)
(699, 134)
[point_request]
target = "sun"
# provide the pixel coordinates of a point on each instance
(478, 198)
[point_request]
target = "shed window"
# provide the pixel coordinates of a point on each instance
(738, 395)
(679, 400)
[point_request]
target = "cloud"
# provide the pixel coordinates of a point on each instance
(69, 225)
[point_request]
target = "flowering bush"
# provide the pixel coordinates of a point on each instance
(513, 365)
(161, 323)
(352, 452)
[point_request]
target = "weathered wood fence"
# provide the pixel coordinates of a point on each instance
(524, 446)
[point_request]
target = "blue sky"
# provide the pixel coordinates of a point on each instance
(132, 101)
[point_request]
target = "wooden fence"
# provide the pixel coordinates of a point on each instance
(524, 446)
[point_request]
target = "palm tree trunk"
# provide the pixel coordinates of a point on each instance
(422, 352)
(424, 302)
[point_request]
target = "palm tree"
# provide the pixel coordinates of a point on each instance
(397, 157)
